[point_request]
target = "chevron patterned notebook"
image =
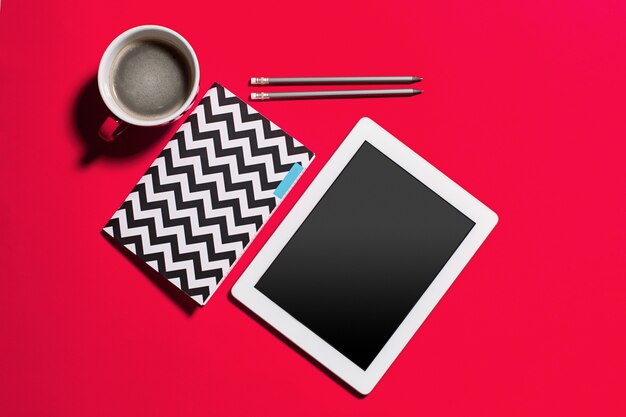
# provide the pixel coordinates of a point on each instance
(208, 193)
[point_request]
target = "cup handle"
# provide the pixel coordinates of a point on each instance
(111, 128)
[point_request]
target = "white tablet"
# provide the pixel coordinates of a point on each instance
(364, 255)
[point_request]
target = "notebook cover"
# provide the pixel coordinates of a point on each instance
(207, 194)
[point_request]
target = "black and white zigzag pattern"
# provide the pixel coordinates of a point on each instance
(206, 195)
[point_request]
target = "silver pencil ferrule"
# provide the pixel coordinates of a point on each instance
(259, 96)
(259, 81)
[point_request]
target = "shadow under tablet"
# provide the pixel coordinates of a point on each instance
(365, 255)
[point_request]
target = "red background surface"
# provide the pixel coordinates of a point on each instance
(523, 107)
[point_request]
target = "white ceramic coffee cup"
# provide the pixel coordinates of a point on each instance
(120, 119)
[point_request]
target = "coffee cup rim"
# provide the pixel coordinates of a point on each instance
(104, 77)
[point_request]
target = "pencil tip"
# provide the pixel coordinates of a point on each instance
(417, 79)
(417, 92)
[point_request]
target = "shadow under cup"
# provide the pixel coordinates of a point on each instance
(148, 76)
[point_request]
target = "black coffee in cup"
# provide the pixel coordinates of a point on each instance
(151, 79)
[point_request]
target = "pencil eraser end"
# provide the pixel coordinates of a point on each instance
(253, 81)
(253, 96)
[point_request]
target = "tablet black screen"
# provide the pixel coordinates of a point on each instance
(365, 255)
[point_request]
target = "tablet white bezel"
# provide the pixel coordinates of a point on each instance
(244, 291)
